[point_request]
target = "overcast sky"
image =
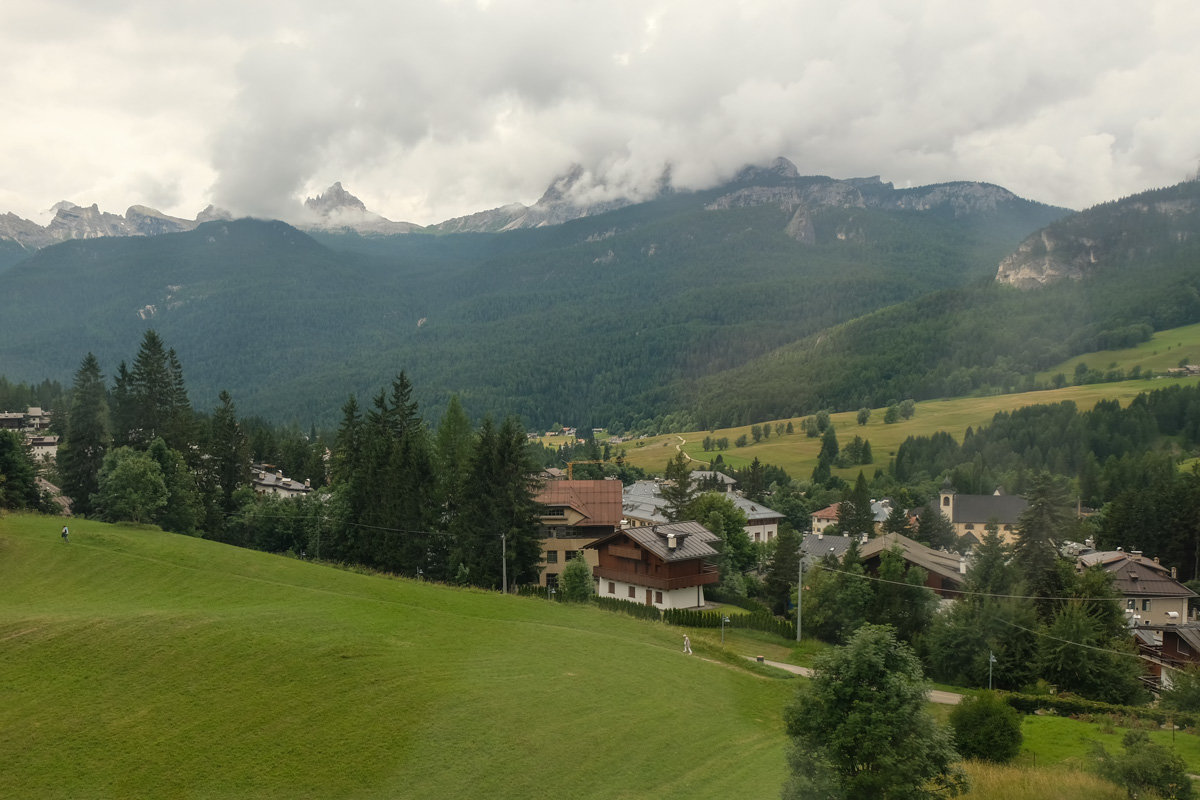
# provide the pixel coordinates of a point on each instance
(430, 110)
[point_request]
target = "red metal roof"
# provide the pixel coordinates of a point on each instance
(598, 501)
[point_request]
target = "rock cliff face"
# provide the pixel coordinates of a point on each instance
(89, 222)
(781, 185)
(1124, 234)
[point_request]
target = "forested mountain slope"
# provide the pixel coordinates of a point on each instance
(1144, 275)
(580, 322)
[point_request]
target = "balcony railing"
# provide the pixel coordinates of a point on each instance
(708, 575)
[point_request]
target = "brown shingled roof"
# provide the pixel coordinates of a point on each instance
(598, 501)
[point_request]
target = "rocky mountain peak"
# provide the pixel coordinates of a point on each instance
(334, 199)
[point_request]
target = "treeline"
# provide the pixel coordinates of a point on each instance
(981, 339)
(20, 396)
(1106, 449)
(454, 504)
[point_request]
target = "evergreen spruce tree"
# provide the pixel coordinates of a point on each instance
(897, 521)
(678, 488)
(499, 520)
(86, 440)
(854, 512)
(784, 570)
(229, 452)
(1042, 524)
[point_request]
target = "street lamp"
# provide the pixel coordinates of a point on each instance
(724, 619)
(552, 591)
(991, 660)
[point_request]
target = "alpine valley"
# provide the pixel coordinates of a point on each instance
(773, 295)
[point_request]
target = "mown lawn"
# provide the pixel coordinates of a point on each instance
(141, 664)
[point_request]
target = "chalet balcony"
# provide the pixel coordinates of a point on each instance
(708, 575)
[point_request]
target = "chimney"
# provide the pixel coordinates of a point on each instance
(307, 483)
(962, 566)
(1173, 574)
(671, 542)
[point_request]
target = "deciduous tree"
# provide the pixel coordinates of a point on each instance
(860, 729)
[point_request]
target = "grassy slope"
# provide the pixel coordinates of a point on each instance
(797, 453)
(137, 663)
(1163, 351)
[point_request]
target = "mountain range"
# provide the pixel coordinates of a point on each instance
(747, 301)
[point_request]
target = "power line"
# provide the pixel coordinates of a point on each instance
(962, 591)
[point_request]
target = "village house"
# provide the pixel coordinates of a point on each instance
(575, 514)
(946, 572)
(828, 516)
(43, 448)
(1150, 594)
(266, 480)
(1167, 650)
(665, 566)
(643, 504)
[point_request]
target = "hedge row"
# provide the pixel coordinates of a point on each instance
(748, 603)
(759, 620)
(1069, 705)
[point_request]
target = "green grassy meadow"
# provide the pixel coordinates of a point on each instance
(1164, 350)
(135, 663)
(797, 453)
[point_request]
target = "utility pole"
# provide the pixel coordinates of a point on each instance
(504, 563)
(991, 660)
(800, 596)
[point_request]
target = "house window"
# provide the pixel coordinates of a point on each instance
(1145, 605)
(552, 581)
(551, 556)
(1131, 605)
(612, 588)
(946, 501)
(1008, 527)
(658, 597)
(1182, 647)
(633, 592)
(970, 526)
(570, 554)
(555, 512)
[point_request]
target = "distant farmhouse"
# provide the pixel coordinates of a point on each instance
(575, 514)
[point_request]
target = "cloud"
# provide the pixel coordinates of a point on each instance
(434, 110)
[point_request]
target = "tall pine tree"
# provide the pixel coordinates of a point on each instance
(86, 438)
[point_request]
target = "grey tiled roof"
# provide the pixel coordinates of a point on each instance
(819, 545)
(692, 542)
(982, 508)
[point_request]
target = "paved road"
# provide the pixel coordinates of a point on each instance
(935, 695)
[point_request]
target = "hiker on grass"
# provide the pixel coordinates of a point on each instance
(687, 644)
(64, 535)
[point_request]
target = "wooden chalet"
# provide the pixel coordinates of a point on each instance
(666, 566)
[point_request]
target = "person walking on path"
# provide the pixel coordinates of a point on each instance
(64, 535)
(687, 644)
